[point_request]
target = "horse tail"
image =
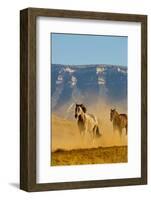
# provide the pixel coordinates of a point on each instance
(98, 134)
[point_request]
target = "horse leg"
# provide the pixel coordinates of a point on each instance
(94, 131)
(114, 129)
(120, 132)
(81, 132)
(126, 129)
(97, 132)
(93, 134)
(84, 133)
(93, 138)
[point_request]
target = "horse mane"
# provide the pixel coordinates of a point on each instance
(83, 108)
(124, 115)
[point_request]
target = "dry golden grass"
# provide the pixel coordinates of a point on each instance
(100, 155)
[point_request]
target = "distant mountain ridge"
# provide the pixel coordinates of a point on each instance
(87, 84)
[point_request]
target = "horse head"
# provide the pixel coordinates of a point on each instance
(112, 112)
(79, 109)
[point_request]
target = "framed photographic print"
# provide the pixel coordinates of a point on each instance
(83, 99)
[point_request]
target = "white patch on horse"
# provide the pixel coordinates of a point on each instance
(87, 123)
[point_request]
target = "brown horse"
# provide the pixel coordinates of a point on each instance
(119, 121)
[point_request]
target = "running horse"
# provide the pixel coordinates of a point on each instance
(119, 121)
(87, 123)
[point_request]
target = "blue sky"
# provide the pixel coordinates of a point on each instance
(88, 49)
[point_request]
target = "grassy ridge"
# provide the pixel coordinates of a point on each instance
(100, 155)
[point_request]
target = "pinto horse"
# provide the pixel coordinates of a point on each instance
(87, 123)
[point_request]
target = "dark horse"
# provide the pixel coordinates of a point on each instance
(87, 123)
(119, 121)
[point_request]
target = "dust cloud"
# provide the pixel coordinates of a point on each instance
(65, 133)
